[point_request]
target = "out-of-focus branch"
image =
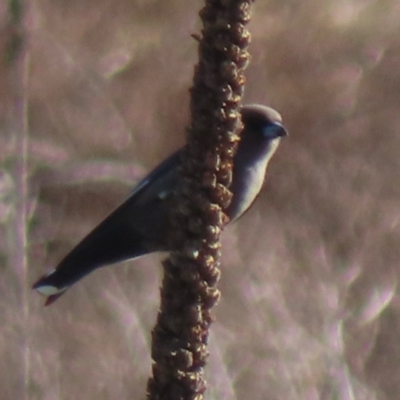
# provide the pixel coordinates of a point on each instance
(15, 60)
(14, 28)
(179, 348)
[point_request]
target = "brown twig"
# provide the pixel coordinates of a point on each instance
(179, 348)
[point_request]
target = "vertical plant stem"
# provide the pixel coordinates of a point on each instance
(180, 337)
(17, 60)
(21, 222)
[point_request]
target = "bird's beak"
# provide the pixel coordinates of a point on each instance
(282, 131)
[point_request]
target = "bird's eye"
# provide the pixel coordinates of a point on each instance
(272, 131)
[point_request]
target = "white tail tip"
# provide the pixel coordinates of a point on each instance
(47, 290)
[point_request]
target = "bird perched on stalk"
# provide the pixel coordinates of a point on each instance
(141, 224)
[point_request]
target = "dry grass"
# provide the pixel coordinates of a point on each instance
(310, 307)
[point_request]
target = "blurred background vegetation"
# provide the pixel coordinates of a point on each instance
(310, 307)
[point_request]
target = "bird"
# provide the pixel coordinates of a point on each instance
(141, 223)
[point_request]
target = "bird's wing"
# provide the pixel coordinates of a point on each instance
(138, 226)
(172, 163)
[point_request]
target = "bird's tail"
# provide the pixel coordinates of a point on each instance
(46, 288)
(114, 240)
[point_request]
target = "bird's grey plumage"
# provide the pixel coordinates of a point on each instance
(140, 225)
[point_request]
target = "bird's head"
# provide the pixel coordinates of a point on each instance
(261, 134)
(264, 121)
